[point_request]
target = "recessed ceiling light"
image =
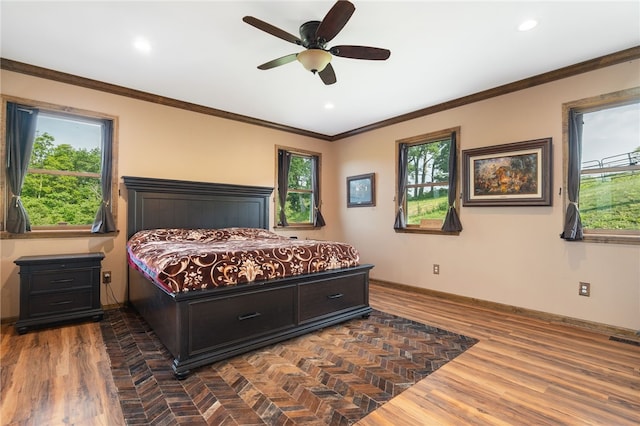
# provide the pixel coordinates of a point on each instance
(329, 105)
(142, 45)
(527, 25)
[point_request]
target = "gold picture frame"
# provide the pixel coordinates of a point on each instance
(514, 174)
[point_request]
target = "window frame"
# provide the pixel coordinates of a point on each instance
(592, 104)
(53, 231)
(300, 153)
(426, 138)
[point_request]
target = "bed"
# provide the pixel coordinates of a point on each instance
(201, 326)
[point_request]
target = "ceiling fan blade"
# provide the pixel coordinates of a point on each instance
(327, 75)
(277, 62)
(335, 20)
(275, 31)
(361, 52)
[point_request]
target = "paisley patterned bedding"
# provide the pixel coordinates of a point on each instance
(182, 260)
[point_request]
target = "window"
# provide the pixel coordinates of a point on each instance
(298, 200)
(427, 183)
(68, 162)
(606, 133)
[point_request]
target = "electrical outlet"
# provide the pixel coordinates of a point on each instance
(584, 289)
(106, 277)
(436, 269)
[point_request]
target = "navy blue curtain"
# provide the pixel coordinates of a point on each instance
(318, 220)
(21, 131)
(104, 222)
(284, 162)
(572, 222)
(451, 220)
(401, 220)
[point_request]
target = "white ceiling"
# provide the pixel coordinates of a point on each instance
(202, 52)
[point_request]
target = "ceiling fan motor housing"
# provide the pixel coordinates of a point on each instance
(308, 35)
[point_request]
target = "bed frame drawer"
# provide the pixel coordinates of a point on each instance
(318, 299)
(228, 320)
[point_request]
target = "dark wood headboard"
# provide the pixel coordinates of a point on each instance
(163, 203)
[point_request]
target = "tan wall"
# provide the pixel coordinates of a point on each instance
(510, 255)
(161, 142)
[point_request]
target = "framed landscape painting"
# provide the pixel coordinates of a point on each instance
(361, 190)
(514, 174)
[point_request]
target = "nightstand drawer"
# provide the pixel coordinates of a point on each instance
(60, 280)
(51, 264)
(51, 303)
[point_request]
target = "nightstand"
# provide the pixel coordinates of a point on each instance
(58, 288)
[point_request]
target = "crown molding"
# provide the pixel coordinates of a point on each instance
(626, 55)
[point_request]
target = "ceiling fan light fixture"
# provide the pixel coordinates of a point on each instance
(314, 60)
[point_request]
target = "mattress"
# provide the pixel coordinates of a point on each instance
(183, 260)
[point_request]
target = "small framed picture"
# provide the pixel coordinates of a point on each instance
(514, 174)
(361, 190)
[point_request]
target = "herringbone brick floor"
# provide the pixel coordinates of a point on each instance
(333, 376)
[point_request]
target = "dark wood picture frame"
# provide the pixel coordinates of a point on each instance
(514, 174)
(361, 190)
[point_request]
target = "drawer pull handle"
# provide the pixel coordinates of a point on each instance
(63, 281)
(64, 302)
(248, 316)
(335, 296)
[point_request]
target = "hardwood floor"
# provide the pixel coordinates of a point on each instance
(57, 376)
(523, 371)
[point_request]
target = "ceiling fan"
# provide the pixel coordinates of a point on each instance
(314, 36)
